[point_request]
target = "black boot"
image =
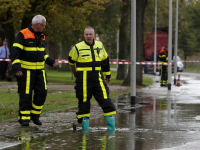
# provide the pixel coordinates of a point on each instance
(37, 121)
(24, 123)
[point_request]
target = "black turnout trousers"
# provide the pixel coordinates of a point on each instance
(30, 105)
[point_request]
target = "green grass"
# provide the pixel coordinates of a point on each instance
(56, 99)
(146, 81)
(54, 76)
(192, 67)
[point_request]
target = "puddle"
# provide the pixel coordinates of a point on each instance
(163, 123)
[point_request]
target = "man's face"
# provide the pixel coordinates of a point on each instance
(89, 35)
(41, 26)
(166, 49)
(5, 43)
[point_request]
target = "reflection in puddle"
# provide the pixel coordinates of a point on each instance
(162, 123)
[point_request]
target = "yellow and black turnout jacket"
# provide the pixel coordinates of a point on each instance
(91, 61)
(28, 51)
(163, 56)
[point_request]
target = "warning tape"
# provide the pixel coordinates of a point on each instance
(62, 61)
(191, 61)
(117, 62)
(5, 59)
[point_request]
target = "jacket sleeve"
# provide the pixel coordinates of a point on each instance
(105, 64)
(16, 52)
(48, 60)
(73, 56)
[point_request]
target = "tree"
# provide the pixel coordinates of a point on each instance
(140, 9)
(10, 13)
(63, 19)
(123, 29)
(106, 23)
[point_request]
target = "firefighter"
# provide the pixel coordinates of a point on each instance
(28, 59)
(89, 63)
(163, 58)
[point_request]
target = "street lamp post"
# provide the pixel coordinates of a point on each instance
(170, 45)
(176, 43)
(155, 37)
(133, 52)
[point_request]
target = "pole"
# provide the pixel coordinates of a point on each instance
(155, 37)
(133, 52)
(117, 47)
(170, 45)
(176, 43)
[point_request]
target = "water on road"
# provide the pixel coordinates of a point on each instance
(162, 119)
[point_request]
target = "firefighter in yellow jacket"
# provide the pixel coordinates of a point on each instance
(163, 58)
(28, 59)
(89, 63)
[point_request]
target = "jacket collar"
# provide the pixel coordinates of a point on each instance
(89, 44)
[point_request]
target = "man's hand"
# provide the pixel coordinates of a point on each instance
(19, 73)
(108, 80)
(55, 64)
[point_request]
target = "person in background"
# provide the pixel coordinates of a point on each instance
(4, 54)
(163, 58)
(28, 59)
(97, 37)
(89, 63)
(0, 42)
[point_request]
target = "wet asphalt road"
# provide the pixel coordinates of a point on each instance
(162, 119)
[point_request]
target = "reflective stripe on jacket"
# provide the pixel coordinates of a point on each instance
(163, 56)
(90, 58)
(29, 51)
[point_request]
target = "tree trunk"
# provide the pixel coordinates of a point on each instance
(25, 22)
(126, 81)
(123, 27)
(65, 52)
(141, 4)
(52, 51)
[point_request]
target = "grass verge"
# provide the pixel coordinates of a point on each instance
(56, 99)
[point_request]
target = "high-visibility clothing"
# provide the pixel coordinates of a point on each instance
(29, 51)
(92, 63)
(163, 57)
(31, 80)
(90, 58)
(28, 55)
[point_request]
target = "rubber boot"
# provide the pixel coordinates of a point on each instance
(35, 119)
(25, 123)
(37, 122)
(110, 122)
(85, 123)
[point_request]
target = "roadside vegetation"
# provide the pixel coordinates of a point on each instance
(192, 67)
(56, 99)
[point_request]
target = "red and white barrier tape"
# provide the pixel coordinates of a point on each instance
(119, 62)
(63, 61)
(5, 59)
